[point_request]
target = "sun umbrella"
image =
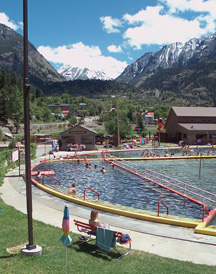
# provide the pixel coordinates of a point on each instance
(66, 239)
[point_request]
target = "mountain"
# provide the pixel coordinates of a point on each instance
(75, 73)
(11, 58)
(175, 55)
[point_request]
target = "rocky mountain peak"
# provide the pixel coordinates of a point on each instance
(11, 57)
(175, 55)
(76, 73)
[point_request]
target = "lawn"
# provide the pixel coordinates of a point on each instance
(86, 258)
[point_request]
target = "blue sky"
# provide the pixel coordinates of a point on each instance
(108, 35)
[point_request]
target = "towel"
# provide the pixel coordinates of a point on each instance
(105, 238)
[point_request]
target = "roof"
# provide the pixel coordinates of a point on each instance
(59, 105)
(65, 112)
(198, 127)
(195, 111)
(85, 128)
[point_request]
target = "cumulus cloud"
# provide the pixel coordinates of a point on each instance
(82, 56)
(110, 24)
(113, 48)
(4, 19)
(193, 5)
(166, 23)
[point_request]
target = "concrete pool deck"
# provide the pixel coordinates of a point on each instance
(160, 239)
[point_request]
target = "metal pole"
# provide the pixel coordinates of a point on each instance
(200, 167)
(27, 129)
(118, 131)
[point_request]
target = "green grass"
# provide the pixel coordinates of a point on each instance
(86, 258)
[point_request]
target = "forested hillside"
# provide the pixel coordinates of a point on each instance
(194, 85)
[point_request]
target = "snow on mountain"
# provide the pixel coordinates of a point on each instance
(175, 55)
(75, 73)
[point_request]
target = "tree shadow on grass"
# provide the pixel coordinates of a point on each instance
(93, 250)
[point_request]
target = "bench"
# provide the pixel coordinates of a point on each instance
(92, 231)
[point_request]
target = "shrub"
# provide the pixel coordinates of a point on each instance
(4, 138)
(12, 144)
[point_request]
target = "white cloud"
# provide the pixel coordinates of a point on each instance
(110, 24)
(192, 5)
(4, 19)
(113, 48)
(80, 55)
(165, 23)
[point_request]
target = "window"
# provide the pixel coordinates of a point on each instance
(185, 135)
(212, 136)
(201, 136)
(68, 139)
(87, 139)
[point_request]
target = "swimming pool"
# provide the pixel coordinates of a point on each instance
(130, 153)
(123, 189)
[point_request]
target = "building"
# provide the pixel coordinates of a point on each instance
(65, 108)
(148, 118)
(78, 135)
(193, 125)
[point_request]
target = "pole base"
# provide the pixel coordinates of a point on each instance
(31, 251)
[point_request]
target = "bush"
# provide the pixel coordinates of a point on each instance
(4, 156)
(12, 144)
(33, 147)
(4, 138)
(33, 138)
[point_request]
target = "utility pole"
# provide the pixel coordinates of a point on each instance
(30, 248)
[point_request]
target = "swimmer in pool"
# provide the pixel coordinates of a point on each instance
(38, 175)
(72, 189)
(103, 169)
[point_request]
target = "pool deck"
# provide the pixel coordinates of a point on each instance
(169, 241)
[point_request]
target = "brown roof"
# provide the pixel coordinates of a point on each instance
(78, 126)
(195, 111)
(198, 127)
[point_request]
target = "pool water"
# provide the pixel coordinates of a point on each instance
(201, 174)
(130, 153)
(119, 187)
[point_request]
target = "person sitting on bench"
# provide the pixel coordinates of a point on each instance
(93, 218)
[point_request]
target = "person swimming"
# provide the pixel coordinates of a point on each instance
(72, 189)
(103, 170)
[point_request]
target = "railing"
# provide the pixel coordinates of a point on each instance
(161, 202)
(176, 184)
(163, 178)
(91, 190)
(119, 159)
(51, 178)
(203, 214)
(104, 152)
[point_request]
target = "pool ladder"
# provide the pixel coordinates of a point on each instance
(91, 190)
(161, 202)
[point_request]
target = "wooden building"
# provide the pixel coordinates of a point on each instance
(78, 136)
(192, 125)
